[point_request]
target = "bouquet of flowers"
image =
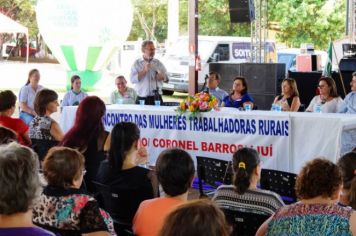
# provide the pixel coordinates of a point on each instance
(200, 102)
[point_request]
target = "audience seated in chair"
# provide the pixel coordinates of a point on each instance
(318, 188)
(199, 217)
(7, 135)
(43, 127)
(121, 170)
(7, 109)
(347, 164)
(175, 172)
(20, 187)
(89, 136)
(243, 194)
(72, 210)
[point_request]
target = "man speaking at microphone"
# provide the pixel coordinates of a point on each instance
(148, 74)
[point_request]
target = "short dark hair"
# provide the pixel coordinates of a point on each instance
(175, 171)
(244, 162)
(145, 43)
(62, 165)
(7, 100)
(7, 135)
(198, 217)
(19, 180)
(318, 177)
(42, 99)
(217, 75)
(347, 164)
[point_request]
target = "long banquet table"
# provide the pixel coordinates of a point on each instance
(285, 140)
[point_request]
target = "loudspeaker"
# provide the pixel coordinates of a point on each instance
(262, 101)
(348, 64)
(241, 11)
(263, 78)
(227, 73)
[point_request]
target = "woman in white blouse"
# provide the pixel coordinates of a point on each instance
(75, 95)
(328, 101)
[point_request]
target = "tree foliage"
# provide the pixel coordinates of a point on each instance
(22, 11)
(308, 21)
(299, 21)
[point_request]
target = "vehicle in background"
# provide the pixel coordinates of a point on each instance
(288, 56)
(215, 49)
(10, 49)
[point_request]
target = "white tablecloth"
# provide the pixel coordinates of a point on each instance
(285, 140)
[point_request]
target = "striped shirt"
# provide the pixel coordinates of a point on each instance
(256, 201)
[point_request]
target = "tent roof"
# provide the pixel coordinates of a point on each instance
(7, 25)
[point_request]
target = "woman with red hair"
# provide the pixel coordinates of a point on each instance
(89, 136)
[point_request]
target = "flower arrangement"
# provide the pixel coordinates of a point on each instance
(200, 102)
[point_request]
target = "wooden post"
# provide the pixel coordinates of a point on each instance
(193, 45)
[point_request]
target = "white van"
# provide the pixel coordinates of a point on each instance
(215, 49)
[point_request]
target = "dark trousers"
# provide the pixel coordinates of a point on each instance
(149, 100)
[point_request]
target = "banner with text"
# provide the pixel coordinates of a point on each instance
(212, 134)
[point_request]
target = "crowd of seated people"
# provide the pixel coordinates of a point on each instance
(64, 207)
(71, 204)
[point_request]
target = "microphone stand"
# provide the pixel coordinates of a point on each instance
(204, 88)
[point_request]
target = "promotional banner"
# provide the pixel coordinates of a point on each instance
(211, 134)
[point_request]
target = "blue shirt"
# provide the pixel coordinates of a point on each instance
(349, 104)
(219, 93)
(237, 103)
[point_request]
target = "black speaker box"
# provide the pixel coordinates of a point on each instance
(241, 11)
(227, 73)
(262, 101)
(263, 78)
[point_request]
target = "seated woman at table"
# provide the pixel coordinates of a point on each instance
(243, 193)
(318, 188)
(239, 97)
(328, 100)
(289, 99)
(347, 164)
(63, 207)
(7, 109)
(123, 94)
(75, 95)
(121, 170)
(89, 136)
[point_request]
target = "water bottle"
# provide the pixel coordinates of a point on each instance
(278, 108)
(248, 107)
(273, 107)
(317, 108)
